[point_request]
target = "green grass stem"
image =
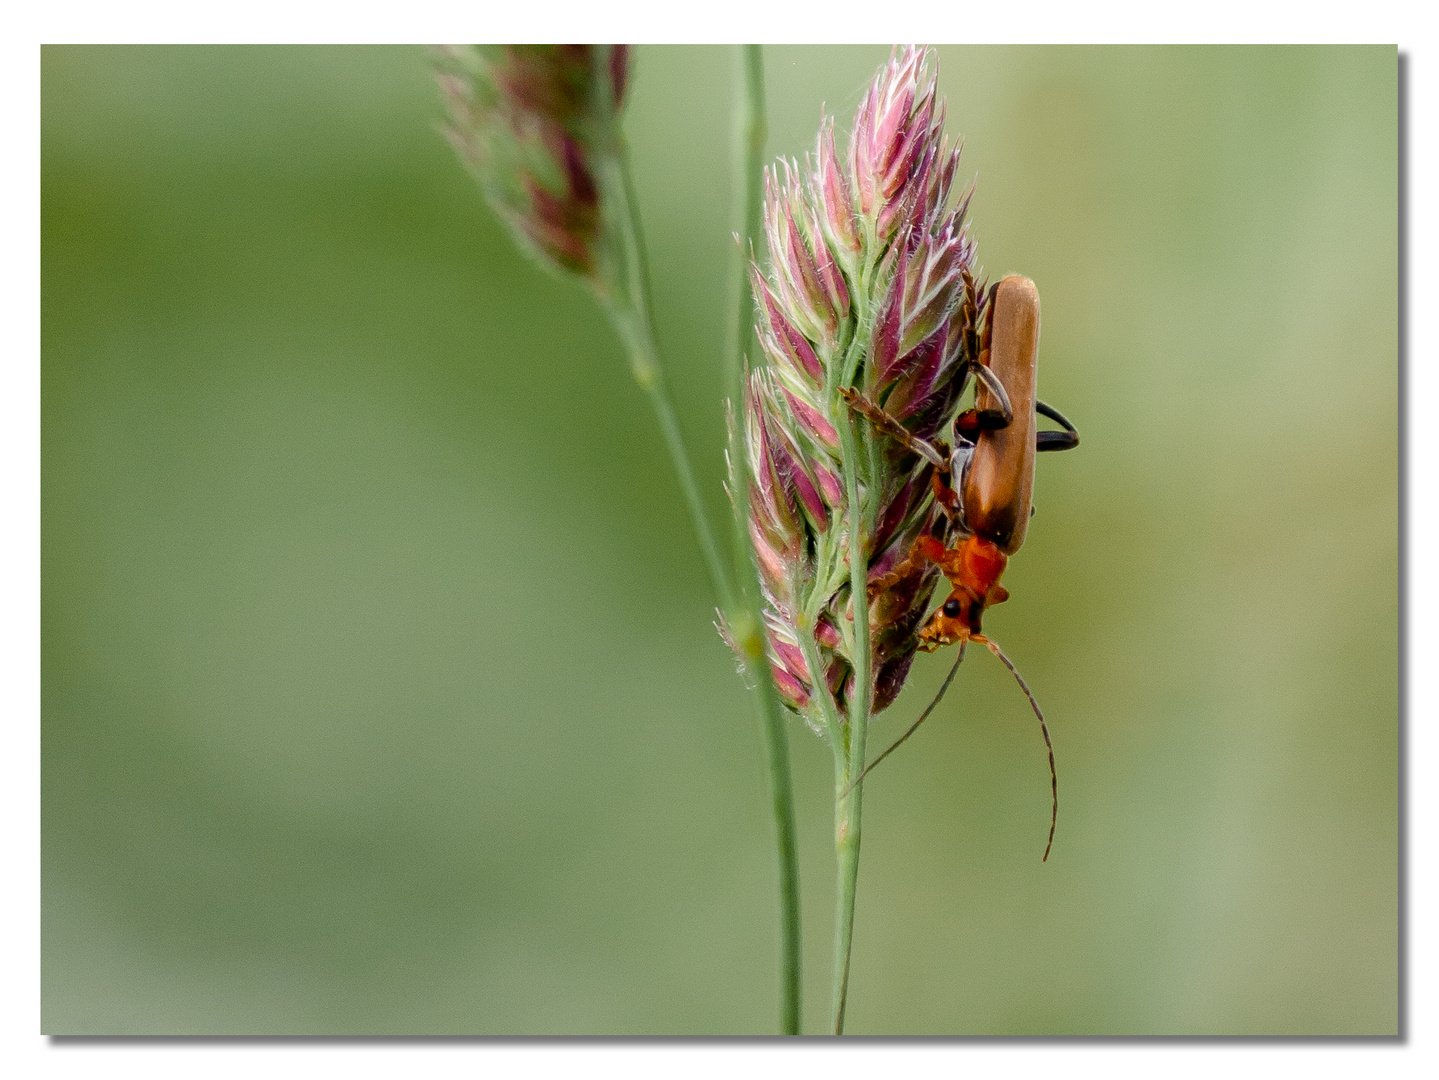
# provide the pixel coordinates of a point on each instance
(747, 188)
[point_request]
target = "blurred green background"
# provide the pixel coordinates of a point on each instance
(380, 689)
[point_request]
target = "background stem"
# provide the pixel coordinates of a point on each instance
(746, 625)
(633, 320)
(747, 187)
(631, 314)
(776, 736)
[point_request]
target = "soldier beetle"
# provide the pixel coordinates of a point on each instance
(983, 482)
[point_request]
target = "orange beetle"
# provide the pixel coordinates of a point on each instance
(984, 483)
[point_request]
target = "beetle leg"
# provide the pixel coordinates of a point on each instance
(921, 553)
(945, 494)
(972, 421)
(894, 429)
(1067, 439)
(993, 419)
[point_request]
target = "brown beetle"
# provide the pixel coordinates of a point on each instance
(984, 482)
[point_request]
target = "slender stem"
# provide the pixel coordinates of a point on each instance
(776, 737)
(846, 826)
(748, 150)
(848, 802)
(633, 320)
(922, 718)
(747, 187)
(845, 864)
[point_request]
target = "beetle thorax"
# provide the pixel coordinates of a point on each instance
(981, 565)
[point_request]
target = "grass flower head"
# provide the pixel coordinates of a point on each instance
(864, 291)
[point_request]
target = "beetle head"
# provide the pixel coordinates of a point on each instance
(974, 569)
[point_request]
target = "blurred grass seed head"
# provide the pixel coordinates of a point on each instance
(538, 125)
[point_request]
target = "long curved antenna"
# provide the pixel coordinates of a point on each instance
(1043, 730)
(912, 727)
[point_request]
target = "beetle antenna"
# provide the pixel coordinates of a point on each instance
(914, 726)
(1043, 730)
